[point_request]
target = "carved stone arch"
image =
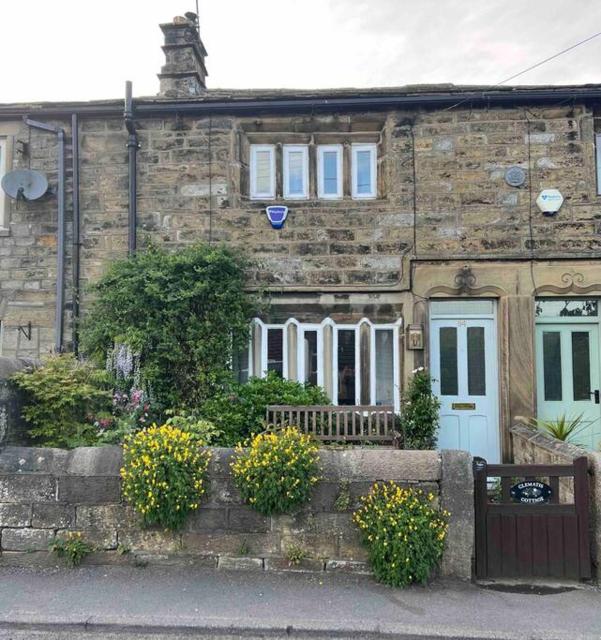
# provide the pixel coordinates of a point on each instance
(465, 281)
(573, 283)
(457, 292)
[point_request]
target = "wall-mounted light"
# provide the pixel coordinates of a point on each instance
(415, 337)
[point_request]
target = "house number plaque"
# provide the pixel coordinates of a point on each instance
(463, 406)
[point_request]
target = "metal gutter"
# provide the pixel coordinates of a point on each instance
(76, 231)
(290, 105)
(132, 169)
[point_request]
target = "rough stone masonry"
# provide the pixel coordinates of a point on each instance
(47, 492)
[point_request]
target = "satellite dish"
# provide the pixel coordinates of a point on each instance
(24, 183)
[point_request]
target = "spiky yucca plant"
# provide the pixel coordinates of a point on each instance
(563, 428)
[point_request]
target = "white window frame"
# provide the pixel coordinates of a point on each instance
(301, 373)
(254, 193)
(373, 149)
(598, 157)
(396, 380)
(3, 170)
(346, 327)
(321, 150)
(304, 150)
(264, 363)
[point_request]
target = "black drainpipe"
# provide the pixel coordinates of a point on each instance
(76, 232)
(132, 150)
(60, 248)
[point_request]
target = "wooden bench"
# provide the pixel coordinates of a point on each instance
(351, 423)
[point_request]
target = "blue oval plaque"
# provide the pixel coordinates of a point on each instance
(531, 492)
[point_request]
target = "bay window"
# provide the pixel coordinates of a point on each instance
(356, 364)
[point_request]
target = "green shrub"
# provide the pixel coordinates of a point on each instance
(164, 475)
(420, 413)
(240, 411)
(73, 548)
(63, 396)
(181, 314)
(205, 433)
(403, 532)
(277, 472)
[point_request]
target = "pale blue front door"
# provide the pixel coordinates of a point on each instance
(568, 364)
(464, 367)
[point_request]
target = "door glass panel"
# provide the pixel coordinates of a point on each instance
(311, 357)
(476, 368)
(581, 365)
(461, 307)
(275, 350)
(384, 367)
(566, 308)
(448, 361)
(552, 364)
(346, 366)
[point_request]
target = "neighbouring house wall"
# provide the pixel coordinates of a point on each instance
(531, 446)
(46, 492)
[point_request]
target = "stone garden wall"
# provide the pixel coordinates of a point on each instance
(46, 492)
(531, 446)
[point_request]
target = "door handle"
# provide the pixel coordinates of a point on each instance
(595, 394)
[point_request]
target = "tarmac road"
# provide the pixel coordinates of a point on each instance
(193, 602)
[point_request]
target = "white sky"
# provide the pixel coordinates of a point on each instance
(83, 50)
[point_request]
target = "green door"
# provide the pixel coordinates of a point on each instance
(567, 359)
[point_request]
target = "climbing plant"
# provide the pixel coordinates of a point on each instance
(182, 313)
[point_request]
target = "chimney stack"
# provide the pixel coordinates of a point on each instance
(184, 72)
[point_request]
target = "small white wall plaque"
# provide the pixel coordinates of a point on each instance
(549, 201)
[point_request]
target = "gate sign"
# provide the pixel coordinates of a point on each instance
(277, 215)
(531, 492)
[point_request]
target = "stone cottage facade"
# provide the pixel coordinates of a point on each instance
(413, 235)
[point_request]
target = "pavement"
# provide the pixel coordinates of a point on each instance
(127, 602)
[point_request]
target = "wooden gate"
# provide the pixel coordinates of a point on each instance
(532, 520)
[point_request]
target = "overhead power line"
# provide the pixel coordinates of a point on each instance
(534, 66)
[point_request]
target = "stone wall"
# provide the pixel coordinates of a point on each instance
(531, 446)
(46, 492)
(442, 195)
(13, 430)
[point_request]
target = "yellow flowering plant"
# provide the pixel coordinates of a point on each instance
(403, 531)
(164, 474)
(276, 472)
